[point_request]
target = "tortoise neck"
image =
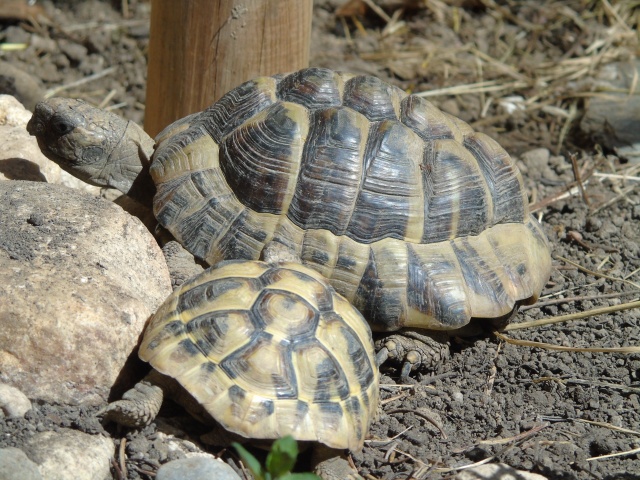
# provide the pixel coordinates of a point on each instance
(138, 148)
(143, 189)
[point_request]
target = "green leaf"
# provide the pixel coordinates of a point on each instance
(300, 476)
(250, 462)
(282, 456)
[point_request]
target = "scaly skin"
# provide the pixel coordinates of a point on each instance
(96, 146)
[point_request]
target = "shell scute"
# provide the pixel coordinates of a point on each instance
(312, 87)
(457, 198)
(260, 159)
(331, 171)
(505, 185)
(237, 106)
(373, 98)
(390, 192)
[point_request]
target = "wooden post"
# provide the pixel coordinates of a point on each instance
(200, 49)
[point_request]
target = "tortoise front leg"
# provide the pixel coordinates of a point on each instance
(138, 407)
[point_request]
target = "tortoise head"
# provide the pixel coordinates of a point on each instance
(94, 145)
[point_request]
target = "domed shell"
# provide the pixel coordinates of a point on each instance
(269, 351)
(415, 218)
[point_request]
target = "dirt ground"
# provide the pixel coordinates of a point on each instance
(562, 414)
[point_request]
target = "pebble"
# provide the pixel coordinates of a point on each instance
(496, 471)
(196, 468)
(15, 465)
(71, 455)
(537, 163)
(13, 403)
(26, 87)
(612, 119)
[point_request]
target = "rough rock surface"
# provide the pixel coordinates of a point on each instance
(196, 468)
(13, 403)
(79, 277)
(15, 465)
(71, 455)
(496, 471)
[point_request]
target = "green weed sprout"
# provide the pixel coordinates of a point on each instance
(280, 460)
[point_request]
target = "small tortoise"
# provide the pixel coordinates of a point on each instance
(413, 217)
(265, 350)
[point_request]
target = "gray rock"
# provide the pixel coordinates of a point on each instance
(612, 118)
(496, 471)
(15, 465)
(24, 86)
(536, 163)
(71, 455)
(336, 468)
(13, 403)
(79, 277)
(196, 468)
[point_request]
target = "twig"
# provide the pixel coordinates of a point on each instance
(597, 274)
(515, 438)
(622, 194)
(607, 425)
(122, 458)
(616, 176)
(619, 454)
(576, 172)
(421, 413)
(381, 13)
(54, 91)
(478, 87)
(591, 383)
(572, 316)
(582, 298)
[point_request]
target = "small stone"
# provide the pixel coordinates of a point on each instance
(196, 468)
(74, 51)
(537, 163)
(497, 471)
(15, 465)
(12, 113)
(335, 468)
(13, 403)
(24, 86)
(458, 396)
(71, 455)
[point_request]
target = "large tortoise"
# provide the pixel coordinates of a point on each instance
(411, 215)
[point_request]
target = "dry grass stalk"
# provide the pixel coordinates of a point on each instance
(581, 298)
(597, 274)
(563, 348)
(55, 91)
(607, 425)
(519, 57)
(573, 316)
(618, 454)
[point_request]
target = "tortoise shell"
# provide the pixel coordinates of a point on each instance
(269, 351)
(415, 218)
